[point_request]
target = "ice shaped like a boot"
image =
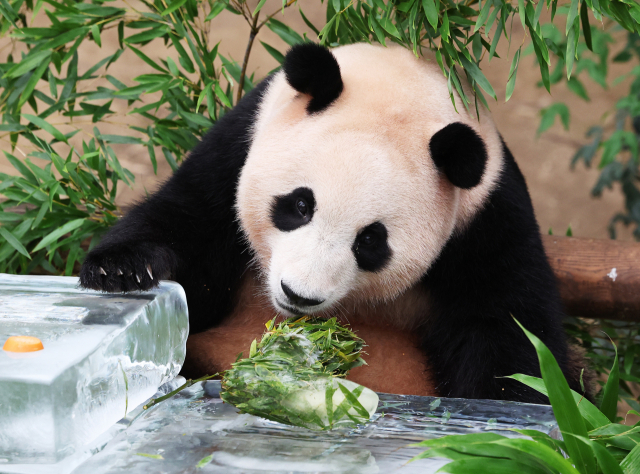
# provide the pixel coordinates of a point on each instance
(103, 355)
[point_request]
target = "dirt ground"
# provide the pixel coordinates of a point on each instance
(561, 196)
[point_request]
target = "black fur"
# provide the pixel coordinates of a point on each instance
(285, 214)
(187, 231)
(312, 69)
(371, 248)
(460, 153)
(495, 269)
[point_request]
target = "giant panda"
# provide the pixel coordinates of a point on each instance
(348, 185)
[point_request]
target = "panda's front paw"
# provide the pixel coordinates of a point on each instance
(126, 267)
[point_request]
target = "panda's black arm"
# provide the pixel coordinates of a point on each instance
(187, 230)
(495, 269)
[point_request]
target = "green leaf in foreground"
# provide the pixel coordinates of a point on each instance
(609, 405)
(564, 407)
(588, 410)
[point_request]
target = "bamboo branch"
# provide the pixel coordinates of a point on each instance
(187, 384)
(245, 62)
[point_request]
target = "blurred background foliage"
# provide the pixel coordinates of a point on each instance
(58, 118)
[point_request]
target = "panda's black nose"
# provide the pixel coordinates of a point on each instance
(298, 300)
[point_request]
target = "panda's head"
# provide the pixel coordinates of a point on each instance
(359, 171)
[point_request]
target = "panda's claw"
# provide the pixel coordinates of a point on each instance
(119, 272)
(149, 271)
(137, 278)
(102, 272)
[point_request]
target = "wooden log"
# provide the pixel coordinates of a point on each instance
(598, 278)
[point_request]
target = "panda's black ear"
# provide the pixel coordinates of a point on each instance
(312, 69)
(460, 153)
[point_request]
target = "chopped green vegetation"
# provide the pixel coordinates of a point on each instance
(152, 456)
(294, 375)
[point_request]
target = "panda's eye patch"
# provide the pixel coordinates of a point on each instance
(367, 239)
(303, 209)
(371, 248)
(293, 210)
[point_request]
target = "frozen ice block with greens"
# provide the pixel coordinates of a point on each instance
(103, 355)
(194, 432)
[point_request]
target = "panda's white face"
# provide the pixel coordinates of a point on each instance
(346, 202)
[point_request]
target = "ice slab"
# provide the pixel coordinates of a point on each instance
(103, 355)
(195, 432)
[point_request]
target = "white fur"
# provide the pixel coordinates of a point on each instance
(366, 158)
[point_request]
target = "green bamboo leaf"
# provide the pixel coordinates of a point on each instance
(432, 12)
(121, 34)
(477, 76)
(173, 7)
(8, 12)
(95, 32)
(29, 62)
(76, 34)
(152, 456)
(389, 27)
(492, 465)
(453, 441)
(147, 35)
(15, 243)
(541, 452)
(308, 23)
(222, 96)
(275, 54)
(549, 115)
(513, 71)
(577, 88)
(33, 81)
(377, 29)
(71, 260)
(47, 127)
(555, 444)
(147, 59)
(216, 9)
(573, 13)
(40, 216)
(609, 406)
(522, 12)
(542, 60)
(496, 39)
(444, 28)
(586, 28)
(59, 232)
(353, 400)
(258, 7)
(22, 168)
(572, 43)
(286, 33)
(565, 410)
(204, 461)
(606, 462)
(631, 463)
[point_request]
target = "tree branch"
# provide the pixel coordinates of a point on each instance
(245, 62)
(255, 28)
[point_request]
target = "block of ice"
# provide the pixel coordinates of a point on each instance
(195, 432)
(103, 356)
